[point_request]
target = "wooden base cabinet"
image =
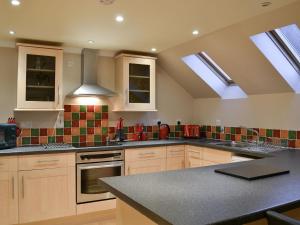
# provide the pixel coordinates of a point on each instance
(175, 157)
(47, 192)
(8, 191)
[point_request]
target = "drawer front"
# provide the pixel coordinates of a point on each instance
(208, 163)
(46, 161)
(175, 151)
(145, 153)
(8, 164)
(218, 156)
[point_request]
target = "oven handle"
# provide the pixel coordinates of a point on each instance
(100, 165)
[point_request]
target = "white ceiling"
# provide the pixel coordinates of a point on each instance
(148, 23)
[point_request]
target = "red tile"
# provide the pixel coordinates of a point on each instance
(59, 139)
(292, 143)
(90, 130)
(104, 138)
(177, 134)
(43, 132)
(67, 131)
(218, 136)
(238, 130)
(90, 108)
(149, 128)
(82, 138)
(276, 133)
(97, 123)
(232, 137)
(75, 123)
(35, 140)
(67, 108)
(250, 138)
(83, 116)
(111, 130)
(105, 116)
(131, 129)
(298, 134)
(208, 128)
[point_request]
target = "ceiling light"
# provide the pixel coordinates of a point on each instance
(11, 32)
(119, 19)
(91, 42)
(106, 2)
(153, 49)
(15, 2)
(265, 4)
(195, 32)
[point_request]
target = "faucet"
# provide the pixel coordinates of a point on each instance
(254, 131)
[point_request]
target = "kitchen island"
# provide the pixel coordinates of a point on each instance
(200, 196)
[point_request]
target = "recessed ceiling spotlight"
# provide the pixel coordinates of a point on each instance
(15, 2)
(11, 32)
(119, 19)
(265, 4)
(153, 49)
(91, 42)
(195, 32)
(106, 2)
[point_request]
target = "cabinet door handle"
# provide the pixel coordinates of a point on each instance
(23, 188)
(48, 161)
(13, 187)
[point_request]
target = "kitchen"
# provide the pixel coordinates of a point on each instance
(110, 115)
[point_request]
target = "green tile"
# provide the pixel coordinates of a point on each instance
(25, 140)
(75, 139)
(125, 130)
(178, 128)
(82, 131)
(203, 128)
(83, 108)
(228, 137)
(262, 139)
(75, 116)
(232, 130)
(97, 138)
(218, 129)
(284, 142)
(90, 123)
(97, 116)
(292, 134)
(105, 108)
(51, 139)
(249, 132)
(269, 133)
(155, 135)
(67, 124)
(59, 131)
(104, 130)
(172, 134)
(35, 132)
(244, 138)
(213, 135)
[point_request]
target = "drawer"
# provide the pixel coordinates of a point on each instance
(46, 161)
(145, 153)
(175, 151)
(218, 156)
(194, 152)
(8, 164)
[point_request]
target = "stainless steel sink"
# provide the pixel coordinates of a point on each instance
(260, 147)
(235, 144)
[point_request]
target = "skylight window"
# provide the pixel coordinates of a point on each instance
(209, 71)
(282, 48)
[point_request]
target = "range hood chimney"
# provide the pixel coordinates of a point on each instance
(89, 85)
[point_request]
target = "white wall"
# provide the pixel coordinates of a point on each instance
(280, 111)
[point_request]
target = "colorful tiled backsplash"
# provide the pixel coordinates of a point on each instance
(85, 125)
(288, 138)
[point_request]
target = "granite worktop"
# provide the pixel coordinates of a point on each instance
(199, 196)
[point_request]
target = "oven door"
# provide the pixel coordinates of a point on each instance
(88, 187)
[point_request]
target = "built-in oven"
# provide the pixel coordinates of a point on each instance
(91, 166)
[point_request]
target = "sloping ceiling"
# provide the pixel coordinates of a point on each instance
(233, 50)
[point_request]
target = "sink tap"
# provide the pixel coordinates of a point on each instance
(254, 131)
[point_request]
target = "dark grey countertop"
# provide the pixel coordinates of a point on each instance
(126, 145)
(200, 196)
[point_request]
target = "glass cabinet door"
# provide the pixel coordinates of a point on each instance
(139, 83)
(40, 78)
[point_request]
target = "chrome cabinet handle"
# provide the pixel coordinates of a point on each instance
(48, 161)
(23, 188)
(13, 187)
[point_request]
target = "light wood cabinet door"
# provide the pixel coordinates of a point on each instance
(8, 198)
(193, 157)
(45, 194)
(175, 163)
(218, 156)
(145, 166)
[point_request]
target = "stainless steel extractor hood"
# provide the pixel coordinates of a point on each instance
(89, 85)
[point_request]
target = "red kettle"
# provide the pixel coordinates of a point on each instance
(164, 131)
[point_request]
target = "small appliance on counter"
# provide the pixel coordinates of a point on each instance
(164, 131)
(191, 131)
(119, 130)
(139, 134)
(8, 135)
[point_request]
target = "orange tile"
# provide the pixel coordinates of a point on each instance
(26, 132)
(150, 135)
(75, 108)
(82, 123)
(98, 130)
(244, 131)
(51, 131)
(238, 137)
(222, 136)
(98, 108)
(104, 123)
(155, 128)
(172, 128)
(75, 131)
(208, 135)
(262, 132)
(68, 139)
(227, 130)
(90, 138)
(67, 116)
(43, 140)
(90, 115)
(284, 134)
(213, 129)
